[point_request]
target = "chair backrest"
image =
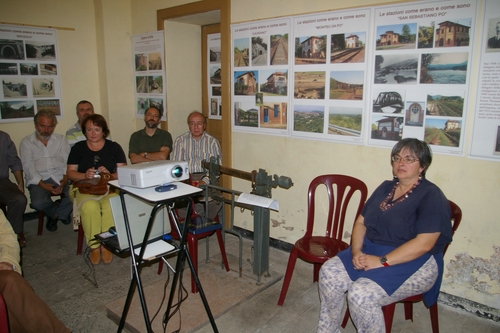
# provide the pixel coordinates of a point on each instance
(456, 218)
(340, 190)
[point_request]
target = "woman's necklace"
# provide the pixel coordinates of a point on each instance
(385, 205)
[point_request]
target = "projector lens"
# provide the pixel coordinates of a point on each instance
(177, 171)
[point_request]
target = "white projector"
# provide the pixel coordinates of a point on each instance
(152, 173)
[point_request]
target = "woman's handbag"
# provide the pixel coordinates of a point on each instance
(95, 186)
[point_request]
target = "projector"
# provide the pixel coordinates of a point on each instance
(152, 173)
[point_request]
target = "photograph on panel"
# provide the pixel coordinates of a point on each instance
(53, 105)
(245, 83)
(279, 49)
(310, 50)
(8, 68)
(215, 55)
(274, 82)
(157, 103)
(444, 68)
(442, 131)
(308, 118)
(246, 114)
(14, 87)
(426, 35)
(273, 115)
(347, 47)
(259, 51)
(141, 83)
(142, 105)
(445, 104)
(309, 85)
(154, 61)
(345, 120)
(155, 84)
(241, 52)
(493, 44)
(415, 111)
(141, 61)
(40, 50)
(215, 77)
(396, 37)
(387, 128)
(388, 101)
(456, 33)
(347, 85)
(28, 68)
(396, 69)
(17, 109)
(11, 49)
(43, 87)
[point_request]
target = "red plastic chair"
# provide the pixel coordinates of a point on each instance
(4, 316)
(388, 310)
(192, 242)
(318, 249)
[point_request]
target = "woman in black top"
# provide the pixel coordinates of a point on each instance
(87, 160)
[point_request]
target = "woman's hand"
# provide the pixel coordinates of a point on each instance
(358, 259)
(103, 169)
(370, 262)
(90, 173)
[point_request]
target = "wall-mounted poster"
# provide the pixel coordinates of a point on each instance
(329, 75)
(260, 76)
(486, 131)
(29, 73)
(149, 73)
(214, 78)
(421, 74)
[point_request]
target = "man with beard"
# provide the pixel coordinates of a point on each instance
(44, 155)
(150, 143)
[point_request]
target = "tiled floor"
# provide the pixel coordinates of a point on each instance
(55, 271)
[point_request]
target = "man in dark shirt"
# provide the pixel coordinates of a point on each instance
(12, 195)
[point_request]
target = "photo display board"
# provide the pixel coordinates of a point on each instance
(366, 76)
(214, 77)
(486, 131)
(29, 72)
(149, 73)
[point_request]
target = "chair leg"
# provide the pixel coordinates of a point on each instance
(288, 275)
(79, 246)
(388, 311)
(222, 249)
(41, 217)
(160, 266)
(316, 268)
(408, 310)
(193, 253)
(433, 310)
(346, 317)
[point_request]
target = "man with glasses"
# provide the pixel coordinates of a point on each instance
(194, 147)
(44, 155)
(150, 143)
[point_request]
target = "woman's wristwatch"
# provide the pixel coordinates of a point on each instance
(383, 261)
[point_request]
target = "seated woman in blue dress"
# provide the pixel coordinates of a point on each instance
(396, 247)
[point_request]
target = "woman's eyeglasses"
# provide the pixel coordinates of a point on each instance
(405, 160)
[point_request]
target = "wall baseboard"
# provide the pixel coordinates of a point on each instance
(463, 304)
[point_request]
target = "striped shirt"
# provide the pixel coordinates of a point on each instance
(186, 148)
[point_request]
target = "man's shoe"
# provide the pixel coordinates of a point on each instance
(51, 224)
(66, 222)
